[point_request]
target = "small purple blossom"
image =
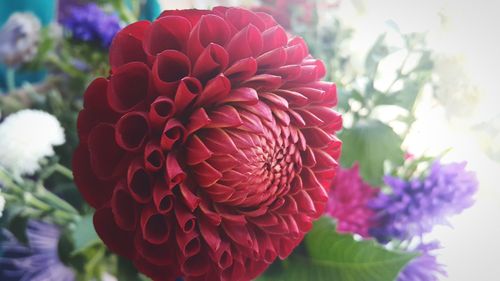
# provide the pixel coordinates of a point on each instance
(89, 23)
(38, 261)
(424, 267)
(416, 205)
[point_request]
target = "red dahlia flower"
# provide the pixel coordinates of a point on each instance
(208, 150)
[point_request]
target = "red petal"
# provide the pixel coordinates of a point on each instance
(160, 111)
(209, 29)
(274, 37)
(189, 88)
(124, 208)
(241, 18)
(127, 45)
(153, 157)
(169, 68)
(246, 43)
(196, 152)
(95, 192)
(116, 239)
(139, 182)
(206, 175)
(106, 157)
(173, 133)
(163, 198)
(242, 96)
(128, 86)
(132, 130)
(167, 33)
(197, 120)
(212, 61)
(215, 90)
(241, 70)
(155, 227)
(223, 117)
(174, 174)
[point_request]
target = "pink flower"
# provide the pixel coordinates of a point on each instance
(348, 200)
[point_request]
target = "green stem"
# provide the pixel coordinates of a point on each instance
(63, 171)
(54, 200)
(10, 78)
(124, 11)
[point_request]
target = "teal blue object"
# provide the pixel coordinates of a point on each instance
(46, 11)
(149, 10)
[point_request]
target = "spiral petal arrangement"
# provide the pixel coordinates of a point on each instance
(208, 151)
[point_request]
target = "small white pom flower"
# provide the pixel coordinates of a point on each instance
(2, 205)
(26, 137)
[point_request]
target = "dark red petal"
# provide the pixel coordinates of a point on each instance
(157, 272)
(127, 45)
(189, 88)
(132, 131)
(128, 86)
(174, 174)
(197, 120)
(161, 110)
(210, 234)
(189, 243)
(153, 157)
(173, 133)
(212, 61)
(95, 192)
(139, 182)
(272, 59)
(241, 70)
(206, 175)
(191, 200)
(241, 18)
(106, 157)
(163, 197)
(224, 116)
(155, 227)
(169, 68)
(209, 29)
(185, 219)
(273, 38)
(167, 33)
(116, 239)
(246, 43)
(196, 151)
(124, 208)
(215, 90)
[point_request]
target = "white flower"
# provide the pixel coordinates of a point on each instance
(26, 137)
(2, 205)
(19, 38)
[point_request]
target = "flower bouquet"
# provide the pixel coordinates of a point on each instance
(206, 145)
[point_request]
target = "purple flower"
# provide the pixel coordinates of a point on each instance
(89, 23)
(416, 205)
(425, 267)
(39, 261)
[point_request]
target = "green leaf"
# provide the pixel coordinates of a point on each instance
(84, 235)
(370, 143)
(338, 257)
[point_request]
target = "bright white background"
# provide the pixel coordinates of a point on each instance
(466, 35)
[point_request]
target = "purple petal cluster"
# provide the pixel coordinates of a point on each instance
(39, 261)
(416, 205)
(425, 267)
(89, 23)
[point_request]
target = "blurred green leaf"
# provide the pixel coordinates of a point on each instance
(338, 257)
(84, 235)
(370, 143)
(378, 51)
